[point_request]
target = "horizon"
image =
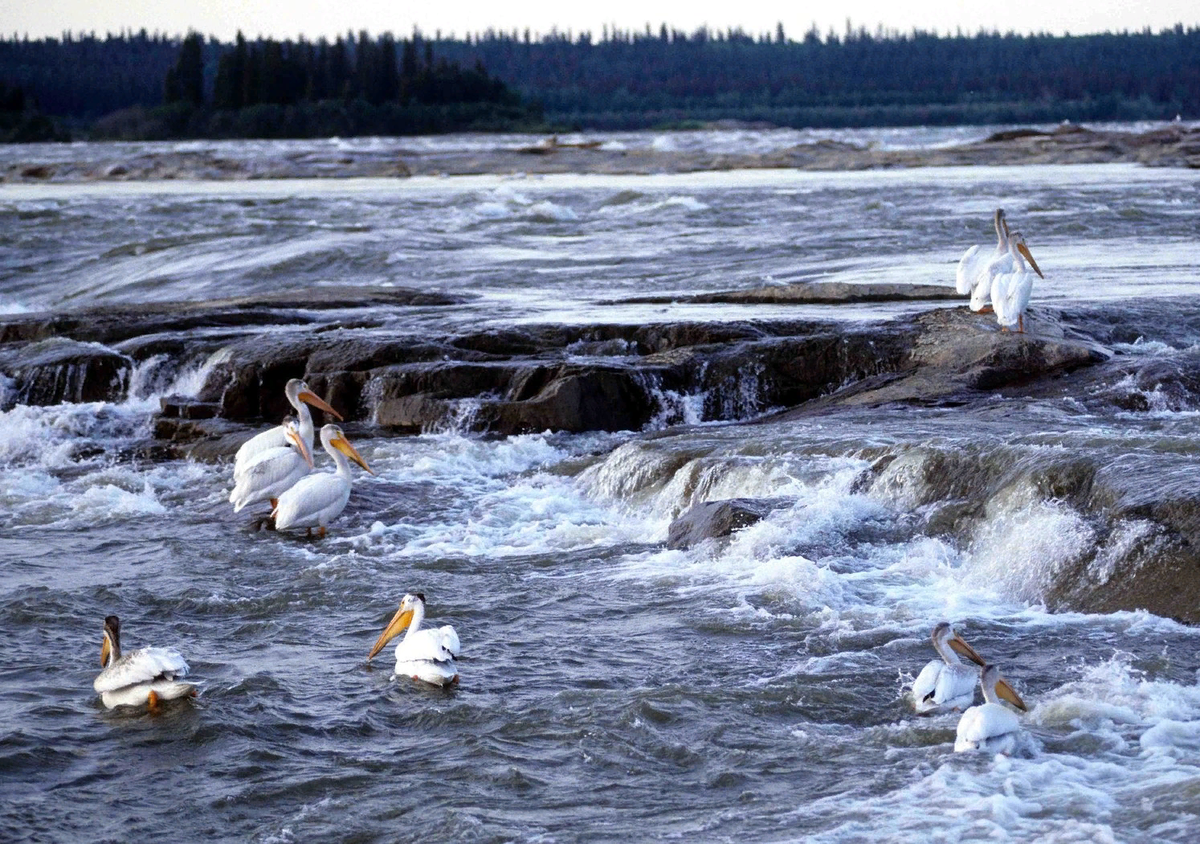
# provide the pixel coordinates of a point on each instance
(307, 19)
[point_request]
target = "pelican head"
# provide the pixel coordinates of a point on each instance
(1017, 241)
(297, 391)
(944, 636)
(291, 432)
(332, 437)
(412, 607)
(995, 688)
(110, 651)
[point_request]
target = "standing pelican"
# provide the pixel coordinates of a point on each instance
(299, 396)
(316, 500)
(143, 677)
(1011, 289)
(946, 684)
(272, 470)
(991, 726)
(973, 275)
(426, 655)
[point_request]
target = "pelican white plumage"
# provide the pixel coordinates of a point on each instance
(991, 726)
(948, 683)
(299, 396)
(141, 678)
(973, 268)
(316, 499)
(271, 471)
(1011, 290)
(426, 655)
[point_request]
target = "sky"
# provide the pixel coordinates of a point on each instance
(315, 18)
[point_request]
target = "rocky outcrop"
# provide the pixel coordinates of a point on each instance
(529, 378)
(59, 369)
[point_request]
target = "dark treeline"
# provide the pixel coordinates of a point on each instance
(264, 88)
(633, 78)
(163, 86)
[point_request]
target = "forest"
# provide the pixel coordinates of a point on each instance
(135, 85)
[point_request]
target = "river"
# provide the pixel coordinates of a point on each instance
(611, 688)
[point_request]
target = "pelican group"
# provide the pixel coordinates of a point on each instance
(317, 499)
(299, 396)
(426, 655)
(947, 683)
(140, 678)
(991, 726)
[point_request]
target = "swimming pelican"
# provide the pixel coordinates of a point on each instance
(426, 655)
(991, 726)
(316, 500)
(973, 266)
(299, 396)
(1011, 289)
(272, 470)
(947, 683)
(143, 677)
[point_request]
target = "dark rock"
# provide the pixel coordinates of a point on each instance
(579, 399)
(715, 519)
(59, 370)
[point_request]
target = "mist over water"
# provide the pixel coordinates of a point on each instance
(612, 688)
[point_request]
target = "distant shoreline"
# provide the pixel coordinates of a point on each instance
(1169, 146)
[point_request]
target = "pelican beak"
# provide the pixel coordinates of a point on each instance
(1006, 692)
(295, 439)
(1024, 250)
(398, 623)
(960, 646)
(309, 397)
(105, 650)
(343, 445)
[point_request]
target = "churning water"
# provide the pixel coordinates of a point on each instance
(612, 689)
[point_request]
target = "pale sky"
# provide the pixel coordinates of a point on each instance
(314, 18)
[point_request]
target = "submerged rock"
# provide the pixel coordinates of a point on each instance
(715, 519)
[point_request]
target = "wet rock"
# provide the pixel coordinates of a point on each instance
(715, 519)
(59, 370)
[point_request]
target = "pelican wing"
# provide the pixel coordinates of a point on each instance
(268, 474)
(983, 723)
(270, 438)
(439, 645)
(973, 261)
(141, 666)
(312, 500)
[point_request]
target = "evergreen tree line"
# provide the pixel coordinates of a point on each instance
(623, 79)
(630, 78)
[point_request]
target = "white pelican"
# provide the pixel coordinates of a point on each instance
(299, 396)
(991, 726)
(141, 678)
(316, 500)
(1011, 289)
(272, 470)
(426, 655)
(947, 683)
(973, 275)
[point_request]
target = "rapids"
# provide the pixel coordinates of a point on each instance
(750, 688)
